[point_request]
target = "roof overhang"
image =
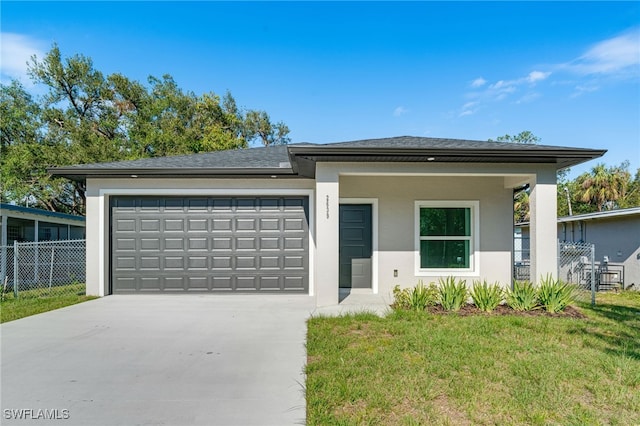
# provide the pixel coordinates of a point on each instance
(303, 159)
(561, 158)
(79, 174)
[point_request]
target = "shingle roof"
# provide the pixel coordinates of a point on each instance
(297, 160)
(414, 142)
(272, 157)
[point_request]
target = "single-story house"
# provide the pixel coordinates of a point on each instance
(310, 218)
(27, 224)
(24, 224)
(616, 237)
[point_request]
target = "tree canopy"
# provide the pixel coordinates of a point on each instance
(602, 188)
(87, 117)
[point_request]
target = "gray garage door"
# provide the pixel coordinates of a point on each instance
(209, 244)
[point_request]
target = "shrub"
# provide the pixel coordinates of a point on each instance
(523, 296)
(555, 295)
(486, 297)
(417, 298)
(452, 294)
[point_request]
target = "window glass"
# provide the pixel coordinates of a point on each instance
(445, 222)
(448, 254)
(445, 236)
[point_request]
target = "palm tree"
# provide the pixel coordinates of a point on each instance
(603, 186)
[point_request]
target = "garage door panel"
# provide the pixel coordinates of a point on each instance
(270, 224)
(223, 204)
(294, 262)
(197, 244)
(125, 225)
(150, 225)
(245, 224)
(198, 283)
(197, 205)
(215, 244)
(221, 243)
(125, 263)
(173, 225)
(150, 284)
(294, 243)
(270, 243)
(149, 244)
(246, 243)
(126, 244)
(246, 282)
(174, 284)
(125, 283)
(221, 225)
(174, 244)
(270, 263)
(198, 263)
(196, 225)
(221, 262)
(149, 263)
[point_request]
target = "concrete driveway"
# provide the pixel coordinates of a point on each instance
(159, 360)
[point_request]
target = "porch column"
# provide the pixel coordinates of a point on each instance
(327, 210)
(544, 225)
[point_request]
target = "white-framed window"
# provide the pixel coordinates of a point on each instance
(446, 237)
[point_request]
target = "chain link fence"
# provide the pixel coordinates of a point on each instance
(521, 258)
(42, 269)
(576, 265)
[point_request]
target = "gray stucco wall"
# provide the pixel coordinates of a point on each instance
(618, 238)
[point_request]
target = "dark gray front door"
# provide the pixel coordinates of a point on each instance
(209, 244)
(355, 245)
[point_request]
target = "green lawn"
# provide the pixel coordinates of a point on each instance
(416, 368)
(33, 302)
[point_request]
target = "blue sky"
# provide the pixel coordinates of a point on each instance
(337, 71)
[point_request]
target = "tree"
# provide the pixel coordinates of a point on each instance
(521, 206)
(602, 187)
(520, 198)
(87, 117)
(524, 137)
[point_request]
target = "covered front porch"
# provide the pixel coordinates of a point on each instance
(401, 198)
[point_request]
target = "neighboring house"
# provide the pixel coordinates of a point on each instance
(616, 236)
(23, 224)
(309, 219)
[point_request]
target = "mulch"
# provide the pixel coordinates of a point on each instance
(468, 310)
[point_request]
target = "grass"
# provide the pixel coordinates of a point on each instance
(33, 302)
(414, 368)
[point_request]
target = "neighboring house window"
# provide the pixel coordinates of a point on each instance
(446, 236)
(13, 233)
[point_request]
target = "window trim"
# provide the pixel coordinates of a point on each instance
(474, 261)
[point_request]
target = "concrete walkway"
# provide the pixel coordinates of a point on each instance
(159, 360)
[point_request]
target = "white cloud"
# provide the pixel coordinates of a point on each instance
(586, 88)
(529, 97)
(535, 76)
(400, 111)
(15, 52)
(478, 82)
(469, 108)
(615, 56)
